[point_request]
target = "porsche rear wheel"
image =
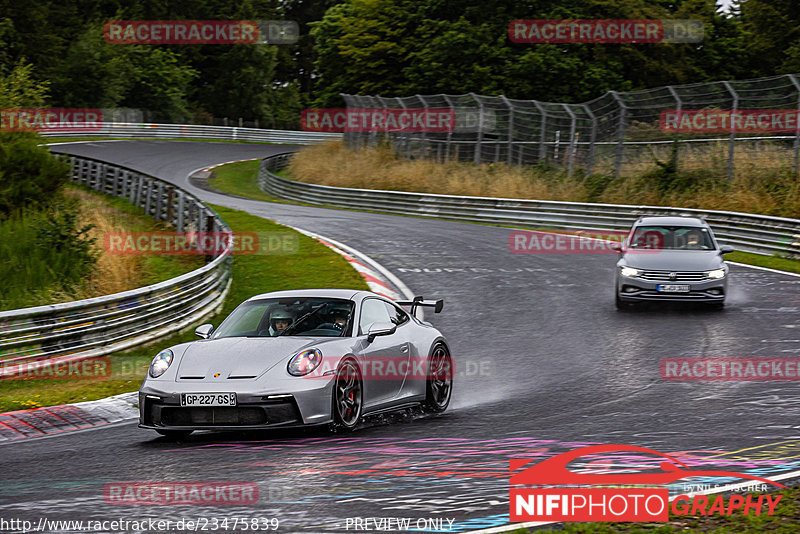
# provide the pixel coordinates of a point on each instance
(347, 396)
(439, 382)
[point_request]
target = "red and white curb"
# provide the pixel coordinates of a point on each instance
(50, 420)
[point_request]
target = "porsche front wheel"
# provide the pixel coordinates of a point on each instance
(347, 396)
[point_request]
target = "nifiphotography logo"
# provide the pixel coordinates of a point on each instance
(619, 496)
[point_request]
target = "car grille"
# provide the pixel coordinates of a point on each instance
(679, 276)
(267, 414)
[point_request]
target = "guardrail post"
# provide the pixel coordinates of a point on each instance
(82, 176)
(620, 134)
(479, 141)
(179, 224)
(797, 130)
(149, 195)
(171, 205)
(732, 140)
(573, 124)
(159, 202)
(139, 186)
(118, 185)
(592, 139)
(130, 194)
(200, 220)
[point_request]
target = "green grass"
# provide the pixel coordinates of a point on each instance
(239, 179)
(784, 520)
(31, 272)
(313, 266)
(772, 262)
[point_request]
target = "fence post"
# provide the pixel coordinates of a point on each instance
(678, 108)
(592, 138)
(373, 132)
(510, 148)
(542, 133)
(450, 132)
(422, 138)
(571, 155)
(480, 128)
(732, 141)
(406, 140)
(797, 130)
(623, 111)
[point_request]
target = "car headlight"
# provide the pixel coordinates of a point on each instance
(304, 362)
(630, 272)
(161, 363)
(716, 273)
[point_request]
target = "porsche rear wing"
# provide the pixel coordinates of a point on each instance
(437, 305)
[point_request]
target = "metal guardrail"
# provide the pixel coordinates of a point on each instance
(761, 234)
(190, 131)
(94, 327)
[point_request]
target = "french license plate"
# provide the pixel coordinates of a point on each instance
(673, 288)
(208, 399)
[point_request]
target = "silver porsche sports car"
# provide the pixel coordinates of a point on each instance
(292, 358)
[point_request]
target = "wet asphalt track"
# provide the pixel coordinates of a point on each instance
(544, 362)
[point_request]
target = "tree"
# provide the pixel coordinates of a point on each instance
(20, 89)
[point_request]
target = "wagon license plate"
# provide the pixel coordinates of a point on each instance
(208, 399)
(673, 288)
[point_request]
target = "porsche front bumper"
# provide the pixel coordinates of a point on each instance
(308, 402)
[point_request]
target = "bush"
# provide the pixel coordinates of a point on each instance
(29, 174)
(46, 254)
(58, 233)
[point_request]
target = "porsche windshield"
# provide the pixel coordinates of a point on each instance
(306, 316)
(671, 238)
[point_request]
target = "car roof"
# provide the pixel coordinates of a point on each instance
(349, 294)
(670, 221)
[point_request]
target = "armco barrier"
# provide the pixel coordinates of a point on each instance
(754, 233)
(97, 326)
(192, 131)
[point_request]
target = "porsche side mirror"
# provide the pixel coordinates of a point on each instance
(725, 249)
(204, 330)
(617, 247)
(380, 329)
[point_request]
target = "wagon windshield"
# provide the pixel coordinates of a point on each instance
(671, 238)
(305, 316)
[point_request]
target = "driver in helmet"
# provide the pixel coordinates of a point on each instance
(339, 317)
(279, 320)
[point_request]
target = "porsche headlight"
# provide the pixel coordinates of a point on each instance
(716, 273)
(161, 363)
(305, 362)
(630, 272)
